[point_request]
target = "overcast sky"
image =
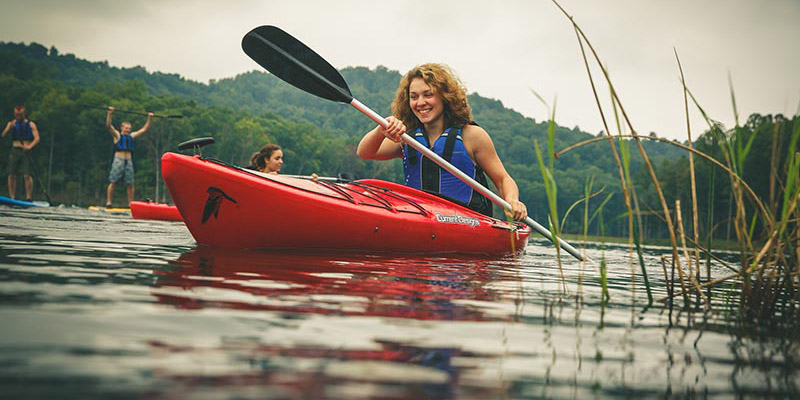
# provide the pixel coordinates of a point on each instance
(500, 49)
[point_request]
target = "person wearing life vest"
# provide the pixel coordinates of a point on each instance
(431, 104)
(26, 136)
(122, 165)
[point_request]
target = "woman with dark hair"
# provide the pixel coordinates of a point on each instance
(431, 104)
(268, 160)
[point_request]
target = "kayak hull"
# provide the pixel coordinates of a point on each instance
(226, 206)
(155, 211)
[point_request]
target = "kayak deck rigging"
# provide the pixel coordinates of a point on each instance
(365, 192)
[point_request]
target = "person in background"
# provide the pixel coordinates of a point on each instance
(122, 165)
(268, 160)
(431, 104)
(25, 135)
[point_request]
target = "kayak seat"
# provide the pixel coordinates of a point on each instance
(196, 144)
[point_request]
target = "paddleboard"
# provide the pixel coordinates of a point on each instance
(19, 203)
(110, 209)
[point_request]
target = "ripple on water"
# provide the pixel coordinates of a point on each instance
(98, 306)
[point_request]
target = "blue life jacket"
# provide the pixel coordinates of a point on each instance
(423, 174)
(22, 131)
(125, 143)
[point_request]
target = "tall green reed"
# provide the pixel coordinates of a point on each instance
(587, 221)
(548, 176)
(693, 181)
(634, 224)
(583, 39)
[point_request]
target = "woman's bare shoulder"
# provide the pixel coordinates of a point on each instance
(474, 135)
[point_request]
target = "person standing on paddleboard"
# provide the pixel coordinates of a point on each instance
(431, 104)
(26, 136)
(122, 165)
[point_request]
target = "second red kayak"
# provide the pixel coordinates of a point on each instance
(156, 211)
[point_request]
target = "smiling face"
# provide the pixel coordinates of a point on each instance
(126, 128)
(426, 105)
(432, 95)
(274, 162)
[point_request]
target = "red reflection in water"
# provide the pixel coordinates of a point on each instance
(326, 283)
(267, 369)
(337, 284)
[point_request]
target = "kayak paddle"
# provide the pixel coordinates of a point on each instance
(174, 116)
(36, 173)
(295, 63)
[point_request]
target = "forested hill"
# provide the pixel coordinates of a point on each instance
(248, 110)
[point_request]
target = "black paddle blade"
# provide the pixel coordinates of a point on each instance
(291, 60)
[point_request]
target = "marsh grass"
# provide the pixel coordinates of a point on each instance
(548, 176)
(768, 276)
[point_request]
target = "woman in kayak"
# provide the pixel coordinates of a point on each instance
(268, 160)
(431, 105)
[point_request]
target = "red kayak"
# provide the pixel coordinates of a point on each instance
(156, 211)
(231, 207)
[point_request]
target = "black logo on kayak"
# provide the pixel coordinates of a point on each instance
(215, 198)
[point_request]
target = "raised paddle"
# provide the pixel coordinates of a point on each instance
(172, 116)
(291, 60)
(38, 177)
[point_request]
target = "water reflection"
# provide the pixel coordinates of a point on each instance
(107, 307)
(325, 283)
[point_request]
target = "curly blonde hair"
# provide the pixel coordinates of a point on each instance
(444, 82)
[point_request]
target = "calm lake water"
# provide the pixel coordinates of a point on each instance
(101, 306)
